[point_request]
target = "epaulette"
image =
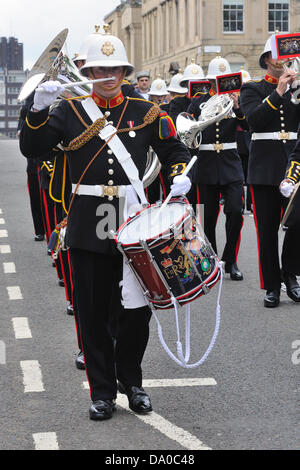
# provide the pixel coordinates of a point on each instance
(126, 82)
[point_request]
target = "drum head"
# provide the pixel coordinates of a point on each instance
(150, 223)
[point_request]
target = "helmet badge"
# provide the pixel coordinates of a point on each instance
(108, 48)
(222, 67)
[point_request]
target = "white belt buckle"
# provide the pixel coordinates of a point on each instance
(284, 135)
(218, 147)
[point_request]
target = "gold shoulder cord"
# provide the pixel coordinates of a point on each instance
(99, 124)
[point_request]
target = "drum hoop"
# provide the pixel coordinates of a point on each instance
(159, 235)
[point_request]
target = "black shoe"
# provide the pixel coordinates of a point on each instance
(39, 238)
(102, 409)
(292, 286)
(272, 298)
(70, 309)
(138, 400)
(61, 283)
(235, 273)
(79, 361)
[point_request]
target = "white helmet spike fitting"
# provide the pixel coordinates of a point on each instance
(175, 87)
(192, 72)
(217, 66)
(158, 87)
(106, 51)
(262, 56)
(86, 44)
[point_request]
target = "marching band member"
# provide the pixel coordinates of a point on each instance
(180, 104)
(33, 182)
(176, 91)
(273, 120)
(104, 158)
(287, 186)
(219, 171)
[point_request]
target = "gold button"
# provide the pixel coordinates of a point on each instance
(281, 112)
(110, 161)
(110, 172)
(110, 198)
(282, 118)
(282, 124)
(110, 152)
(110, 182)
(217, 135)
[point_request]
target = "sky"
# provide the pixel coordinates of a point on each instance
(35, 23)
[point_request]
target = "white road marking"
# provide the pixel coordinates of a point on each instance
(32, 376)
(45, 441)
(179, 382)
(21, 328)
(14, 293)
(9, 268)
(173, 432)
(154, 383)
(3, 234)
(2, 221)
(5, 249)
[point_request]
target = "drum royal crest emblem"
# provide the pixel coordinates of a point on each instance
(108, 48)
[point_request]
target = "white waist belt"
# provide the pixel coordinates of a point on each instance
(274, 135)
(218, 147)
(99, 190)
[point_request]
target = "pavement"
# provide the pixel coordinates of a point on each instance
(245, 396)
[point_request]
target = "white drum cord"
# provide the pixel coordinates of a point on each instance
(182, 360)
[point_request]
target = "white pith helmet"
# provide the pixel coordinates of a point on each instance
(192, 72)
(158, 87)
(266, 50)
(174, 86)
(217, 66)
(86, 43)
(106, 51)
(245, 75)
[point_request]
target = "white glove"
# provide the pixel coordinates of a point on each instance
(181, 185)
(286, 188)
(46, 94)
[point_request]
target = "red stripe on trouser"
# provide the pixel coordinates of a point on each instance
(262, 284)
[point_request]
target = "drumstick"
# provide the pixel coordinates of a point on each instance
(189, 166)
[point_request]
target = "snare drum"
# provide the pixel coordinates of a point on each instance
(169, 253)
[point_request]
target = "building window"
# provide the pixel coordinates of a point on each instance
(278, 16)
(233, 16)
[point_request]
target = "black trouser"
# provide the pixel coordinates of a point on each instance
(95, 277)
(209, 195)
(35, 202)
(268, 208)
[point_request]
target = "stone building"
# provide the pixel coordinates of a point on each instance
(160, 33)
